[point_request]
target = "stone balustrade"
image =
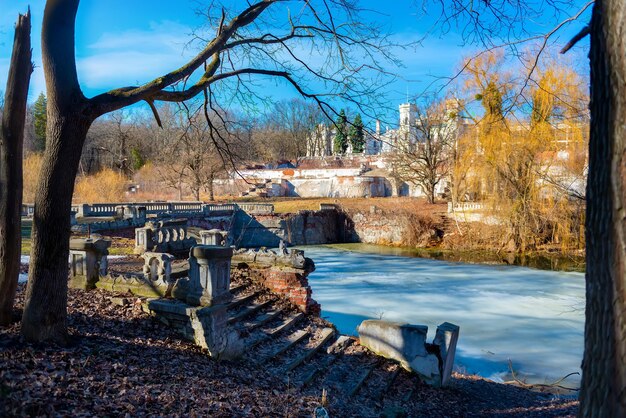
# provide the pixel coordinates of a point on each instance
(214, 237)
(329, 206)
(465, 206)
(131, 212)
(164, 236)
(222, 207)
(257, 208)
(88, 260)
(200, 311)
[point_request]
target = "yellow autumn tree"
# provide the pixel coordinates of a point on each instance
(528, 151)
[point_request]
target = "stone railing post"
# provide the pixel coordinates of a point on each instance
(144, 239)
(88, 260)
(139, 214)
(83, 210)
(209, 275)
(214, 237)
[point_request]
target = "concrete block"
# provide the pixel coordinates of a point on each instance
(394, 340)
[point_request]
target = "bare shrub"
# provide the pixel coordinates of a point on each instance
(105, 186)
(32, 167)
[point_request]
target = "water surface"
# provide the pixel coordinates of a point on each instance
(533, 317)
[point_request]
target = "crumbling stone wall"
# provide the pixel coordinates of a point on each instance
(302, 228)
(285, 274)
(289, 283)
(398, 229)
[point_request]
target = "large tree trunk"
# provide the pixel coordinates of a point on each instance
(45, 309)
(11, 143)
(603, 391)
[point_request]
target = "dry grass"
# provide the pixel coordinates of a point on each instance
(385, 204)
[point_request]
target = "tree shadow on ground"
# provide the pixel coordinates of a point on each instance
(122, 361)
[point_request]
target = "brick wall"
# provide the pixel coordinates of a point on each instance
(288, 282)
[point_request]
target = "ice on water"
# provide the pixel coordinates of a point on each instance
(535, 318)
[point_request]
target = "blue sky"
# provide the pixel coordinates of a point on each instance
(122, 42)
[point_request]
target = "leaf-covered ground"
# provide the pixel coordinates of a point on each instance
(123, 363)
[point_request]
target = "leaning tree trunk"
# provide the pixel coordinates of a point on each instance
(45, 308)
(11, 140)
(603, 391)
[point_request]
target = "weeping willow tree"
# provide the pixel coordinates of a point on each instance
(527, 153)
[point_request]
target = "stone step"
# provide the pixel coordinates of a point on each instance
(409, 394)
(241, 300)
(362, 378)
(326, 334)
(292, 340)
(263, 319)
(388, 384)
(285, 325)
(248, 311)
(238, 288)
(334, 353)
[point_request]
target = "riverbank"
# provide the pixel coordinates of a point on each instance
(539, 260)
(123, 362)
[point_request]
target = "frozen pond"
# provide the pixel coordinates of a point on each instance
(535, 318)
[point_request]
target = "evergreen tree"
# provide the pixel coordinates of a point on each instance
(341, 139)
(137, 160)
(40, 120)
(356, 136)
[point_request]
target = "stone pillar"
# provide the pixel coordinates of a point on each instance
(83, 210)
(140, 214)
(144, 239)
(125, 212)
(446, 337)
(206, 326)
(214, 237)
(88, 260)
(209, 275)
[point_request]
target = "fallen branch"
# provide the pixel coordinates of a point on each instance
(555, 384)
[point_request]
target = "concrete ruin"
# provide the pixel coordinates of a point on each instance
(407, 344)
(200, 304)
(88, 261)
(284, 272)
(166, 236)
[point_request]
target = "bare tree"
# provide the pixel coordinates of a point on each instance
(248, 44)
(191, 157)
(423, 157)
(11, 143)
(283, 131)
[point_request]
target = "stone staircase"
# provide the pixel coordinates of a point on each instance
(307, 353)
(260, 189)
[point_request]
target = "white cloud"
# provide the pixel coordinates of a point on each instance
(134, 56)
